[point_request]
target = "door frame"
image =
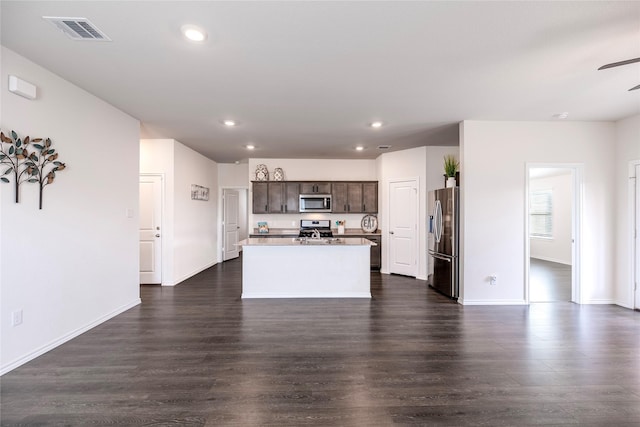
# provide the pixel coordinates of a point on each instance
(221, 215)
(163, 228)
(225, 193)
(577, 184)
(634, 232)
(419, 229)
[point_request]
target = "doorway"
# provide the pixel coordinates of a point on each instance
(637, 237)
(552, 236)
(403, 227)
(234, 221)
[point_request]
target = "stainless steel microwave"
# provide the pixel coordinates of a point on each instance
(315, 203)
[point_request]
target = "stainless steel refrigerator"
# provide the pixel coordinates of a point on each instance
(444, 219)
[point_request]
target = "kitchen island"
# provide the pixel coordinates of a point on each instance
(306, 268)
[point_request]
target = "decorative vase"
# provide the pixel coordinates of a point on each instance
(451, 182)
(262, 174)
(278, 174)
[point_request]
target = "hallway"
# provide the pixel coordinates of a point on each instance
(549, 281)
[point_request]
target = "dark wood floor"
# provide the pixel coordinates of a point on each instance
(549, 281)
(197, 355)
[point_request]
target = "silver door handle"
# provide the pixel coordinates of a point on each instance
(157, 235)
(441, 257)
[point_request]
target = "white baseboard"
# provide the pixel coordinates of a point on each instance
(628, 304)
(557, 261)
(598, 301)
(492, 302)
(67, 337)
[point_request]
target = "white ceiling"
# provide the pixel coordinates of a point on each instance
(305, 78)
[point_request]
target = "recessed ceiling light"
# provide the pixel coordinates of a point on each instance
(194, 33)
(250, 146)
(376, 125)
(229, 123)
(359, 148)
(561, 116)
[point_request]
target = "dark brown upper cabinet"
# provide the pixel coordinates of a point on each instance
(370, 197)
(276, 197)
(315, 188)
(355, 197)
(260, 197)
(283, 197)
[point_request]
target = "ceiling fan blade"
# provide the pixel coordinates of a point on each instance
(634, 88)
(617, 64)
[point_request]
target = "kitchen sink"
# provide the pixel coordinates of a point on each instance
(321, 241)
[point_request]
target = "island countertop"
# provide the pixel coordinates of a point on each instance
(335, 241)
(291, 232)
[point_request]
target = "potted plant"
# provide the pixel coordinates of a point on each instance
(450, 169)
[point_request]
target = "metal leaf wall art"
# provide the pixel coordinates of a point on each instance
(36, 165)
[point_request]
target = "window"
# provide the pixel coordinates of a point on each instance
(541, 213)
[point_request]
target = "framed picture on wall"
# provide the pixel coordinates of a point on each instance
(199, 192)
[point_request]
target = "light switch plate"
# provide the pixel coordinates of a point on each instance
(16, 318)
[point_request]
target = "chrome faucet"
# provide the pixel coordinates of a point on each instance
(316, 234)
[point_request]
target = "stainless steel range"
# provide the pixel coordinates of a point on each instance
(321, 228)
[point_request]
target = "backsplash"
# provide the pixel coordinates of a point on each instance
(293, 220)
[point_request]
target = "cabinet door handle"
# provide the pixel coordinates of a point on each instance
(266, 208)
(364, 208)
(285, 208)
(345, 208)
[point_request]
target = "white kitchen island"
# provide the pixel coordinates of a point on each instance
(290, 268)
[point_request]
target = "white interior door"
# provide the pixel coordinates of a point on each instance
(150, 233)
(637, 238)
(403, 227)
(230, 223)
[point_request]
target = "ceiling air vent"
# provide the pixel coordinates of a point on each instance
(383, 147)
(78, 28)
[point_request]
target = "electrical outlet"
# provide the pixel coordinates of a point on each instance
(16, 318)
(493, 279)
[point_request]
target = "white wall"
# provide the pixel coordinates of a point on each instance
(557, 248)
(190, 237)
(73, 264)
(398, 165)
(493, 157)
(435, 165)
(627, 149)
(231, 175)
(310, 170)
(195, 239)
